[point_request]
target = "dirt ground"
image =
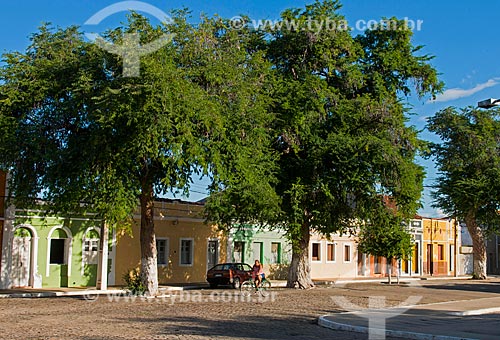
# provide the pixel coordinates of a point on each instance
(218, 313)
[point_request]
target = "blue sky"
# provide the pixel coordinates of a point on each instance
(462, 35)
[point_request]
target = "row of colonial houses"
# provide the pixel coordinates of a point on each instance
(39, 251)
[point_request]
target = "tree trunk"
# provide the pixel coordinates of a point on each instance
(478, 247)
(299, 274)
(149, 269)
(398, 268)
(389, 270)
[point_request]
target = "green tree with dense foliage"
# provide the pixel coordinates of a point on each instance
(468, 161)
(340, 131)
(386, 236)
(302, 129)
(75, 130)
(341, 128)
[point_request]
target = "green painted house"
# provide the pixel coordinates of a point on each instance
(249, 243)
(51, 251)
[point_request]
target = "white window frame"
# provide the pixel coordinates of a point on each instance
(278, 254)
(334, 252)
(242, 253)
(167, 251)
(350, 252)
(319, 251)
(191, 252)
(86, 254)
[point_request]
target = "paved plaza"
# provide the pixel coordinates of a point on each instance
(224, 314)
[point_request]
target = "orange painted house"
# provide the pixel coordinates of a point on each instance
(436, 243)
(440, 243)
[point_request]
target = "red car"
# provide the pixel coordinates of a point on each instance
(229, 274)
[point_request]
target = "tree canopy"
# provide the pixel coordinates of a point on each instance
(297, 128)
(77, 131)
(340, 129)
(468, 161)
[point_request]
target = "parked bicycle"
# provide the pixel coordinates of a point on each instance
(248, 287)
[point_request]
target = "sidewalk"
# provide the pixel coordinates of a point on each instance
(337, 281)
(86, 291)
(68, 292)
(55, 292)
(466, 319)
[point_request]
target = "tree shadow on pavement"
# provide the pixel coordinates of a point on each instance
(469, 286)
(261, 327)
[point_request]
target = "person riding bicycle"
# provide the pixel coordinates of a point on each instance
(258, 273)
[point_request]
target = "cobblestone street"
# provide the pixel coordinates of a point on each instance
(219, 313)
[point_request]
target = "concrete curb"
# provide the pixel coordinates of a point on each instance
(402, 279)
(81, 293)
(323, 322)
(437, 278)
(476, 312)
(64, 294)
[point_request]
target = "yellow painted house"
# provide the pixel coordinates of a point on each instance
(186, 245)
(440, 245)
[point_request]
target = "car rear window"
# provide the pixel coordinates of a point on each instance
(218, 267)
(227, 267)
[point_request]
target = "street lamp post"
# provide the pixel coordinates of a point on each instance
(488, 103)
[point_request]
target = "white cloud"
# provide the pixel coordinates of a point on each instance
(431, 212)
(456, 93)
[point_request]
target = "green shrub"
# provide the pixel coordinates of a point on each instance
(133, 282)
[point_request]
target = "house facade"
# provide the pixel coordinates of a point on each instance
(50, 251)
(414, 265)
(333, 257)
(248, 243)
(493, 255)
(186, 245)
(436, 251)
(441, 241)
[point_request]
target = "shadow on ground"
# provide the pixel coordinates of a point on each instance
(262, 327)
(468, 286)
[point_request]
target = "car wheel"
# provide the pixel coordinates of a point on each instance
(213, 285)
(236, 283)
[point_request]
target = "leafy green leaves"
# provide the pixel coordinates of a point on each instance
(294, 127)
(76, 131)
(468, 161)
(340, 127)
(385, 235)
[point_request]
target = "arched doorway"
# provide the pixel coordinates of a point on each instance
(24, 256)
(59, 250)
